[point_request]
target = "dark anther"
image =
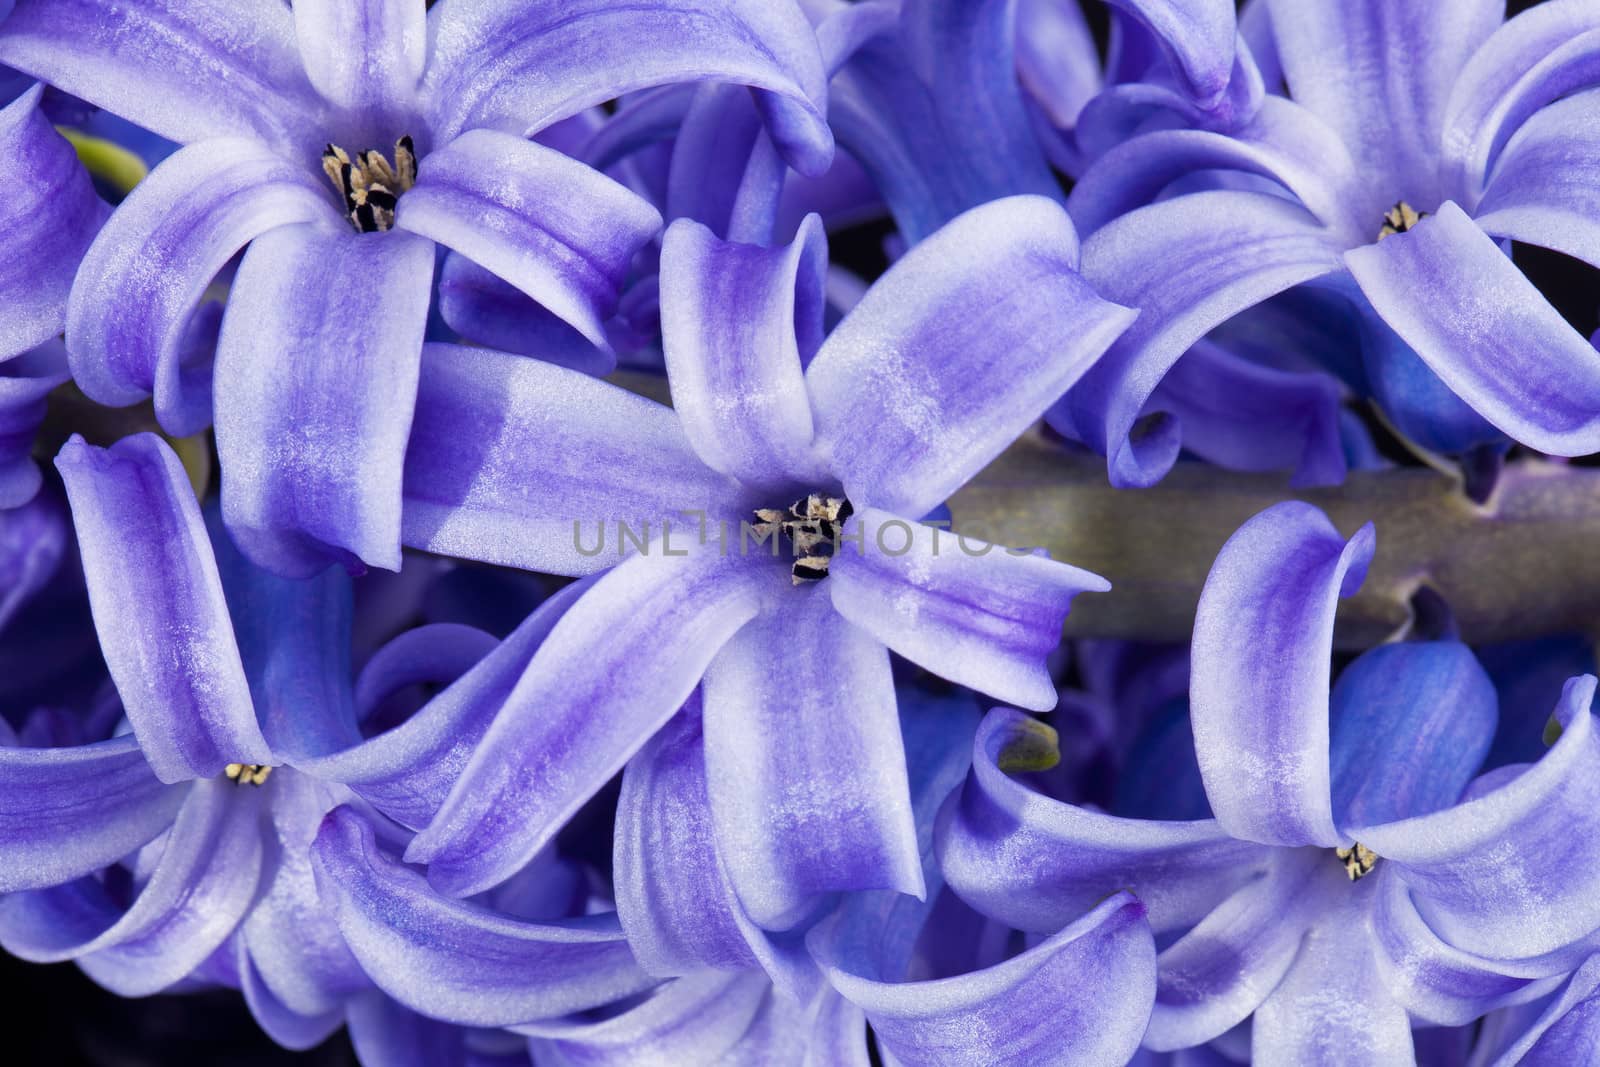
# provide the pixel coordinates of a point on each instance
(1358, 861)
(1400, 219)
(369, 185)
(812, 526)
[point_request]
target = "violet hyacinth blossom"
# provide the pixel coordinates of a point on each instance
(1418, 138)
(50, 213)
(1354, 870)
(223, 670)
(339, 141)
(939, 367)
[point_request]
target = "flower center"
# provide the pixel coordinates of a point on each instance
(1358, 861)
(247, 773)
(1400, 219)
(812, 526)
(370, 186)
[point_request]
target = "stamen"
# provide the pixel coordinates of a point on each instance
(1358, 861)
(247, 773)
(1400, 219)
(370, 186)
(812, 525)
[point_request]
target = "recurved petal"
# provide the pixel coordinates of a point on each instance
(316, 380)
(1258, 694)
(1540, 191)
(188, 71)
(145, 274)
(1449, 291)
(363, 55)
(542, 61)
(738, 323)
(199, 891)
(1189, 264)
(49, 213)
(1512, 873)
(1081, 997)
(455, 960)
(805, 768)
(67, 812)
(558, 230)
(674, 898)
(559, 460)
(158, 605)
(406, 772)
(979, 615)
(484, 308)
(1036, 863)
(955, 352)
(612, 671)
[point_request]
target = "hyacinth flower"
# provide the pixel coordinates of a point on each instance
(211, 658)
(50, 213)
(1415, 141)
(1354, 870)
(779, 434)
(338, 143)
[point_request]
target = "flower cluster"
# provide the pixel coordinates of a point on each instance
(547, 532)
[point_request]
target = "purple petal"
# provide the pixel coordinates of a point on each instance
(1451, 294)
(363, 55)
(316, 380)
(1333, 1006)
(1213, 977)
(200, 890)
(407, 772)
(1542, 191)
(1247, 416)
(1380, 73)
(33, 540)
(559, 461)
(1514, 872)
(966, 610)
(1057, 59)
(1285, 143)
(144, 276)
(1546, 52)
(1188, 264)
(544, 60)
(290, 940)
(67, 812)
(49, 213)
(738, 323)
(288, 1028)
(1076, 856)
(455, 960)
(159, 609)
(185, 69)
(1437, 981)
(558, 230)
(25, 383)
(674, 897)
(431, 654)
(616, 667)
(1263, 638)
(483, 308)
(384, 1032)
(805, 768)
(294, 641)
(955, 352)
(700, 1019)
(1410, 725)
(1197, 36)
(932, 109)
(1564, 1032)
(1081, 997)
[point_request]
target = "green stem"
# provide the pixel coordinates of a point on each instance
(1525, 564)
